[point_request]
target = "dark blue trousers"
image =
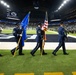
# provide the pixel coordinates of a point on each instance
(19, 46)
(38, 45)
(61, 44)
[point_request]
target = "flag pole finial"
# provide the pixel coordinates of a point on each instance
(29, 12)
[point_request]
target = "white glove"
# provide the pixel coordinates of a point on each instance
(20, 34)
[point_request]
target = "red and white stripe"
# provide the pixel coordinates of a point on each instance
(45, 25)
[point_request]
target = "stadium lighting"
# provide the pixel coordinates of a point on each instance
(5, 4)
(36, 4)
(56, 11)
(64, 2)
(55, 20)
(8, 6)
(59, 8)
(36, 7)
(2, 2)
(12, 18)
(62, 5)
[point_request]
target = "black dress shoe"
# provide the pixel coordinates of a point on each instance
(32, 54)
(21, 54)
(66, 53)
(44, 54)
(12, 52)
(1, 55)
(54, 54)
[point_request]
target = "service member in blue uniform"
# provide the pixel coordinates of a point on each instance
(17, 32)
(40, 35)
(62, 37)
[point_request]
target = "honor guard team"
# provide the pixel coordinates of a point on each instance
(17, 32)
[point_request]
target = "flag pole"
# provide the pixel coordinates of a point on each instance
(44, 36)
(21, 33)
(29, 17)
(17, 45)
(46, 16)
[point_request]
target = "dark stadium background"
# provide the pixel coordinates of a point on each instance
(19, 8)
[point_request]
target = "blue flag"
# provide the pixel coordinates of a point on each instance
(24, 24)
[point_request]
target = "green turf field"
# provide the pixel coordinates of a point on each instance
(38, 64)
(29, 31)
(74, 34)
(7, 31)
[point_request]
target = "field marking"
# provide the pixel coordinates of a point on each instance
(7, 37)
(32, 37)
(48, 73)
(3, 36)
(1, 73)
(24, 74)
(72, 36)
(11, 36)
(74, 73)
(54, 73)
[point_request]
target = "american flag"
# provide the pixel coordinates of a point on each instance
(45, 25)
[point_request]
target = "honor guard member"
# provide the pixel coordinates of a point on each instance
(17, 32)
(39, 38)
(62, 37)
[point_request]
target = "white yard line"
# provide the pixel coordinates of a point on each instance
(31, 45)
(72, 36)
(7, 37)
(32, 37)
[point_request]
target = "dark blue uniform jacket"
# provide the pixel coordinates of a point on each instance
(39, 34)
(16, 33)
(62, 35)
